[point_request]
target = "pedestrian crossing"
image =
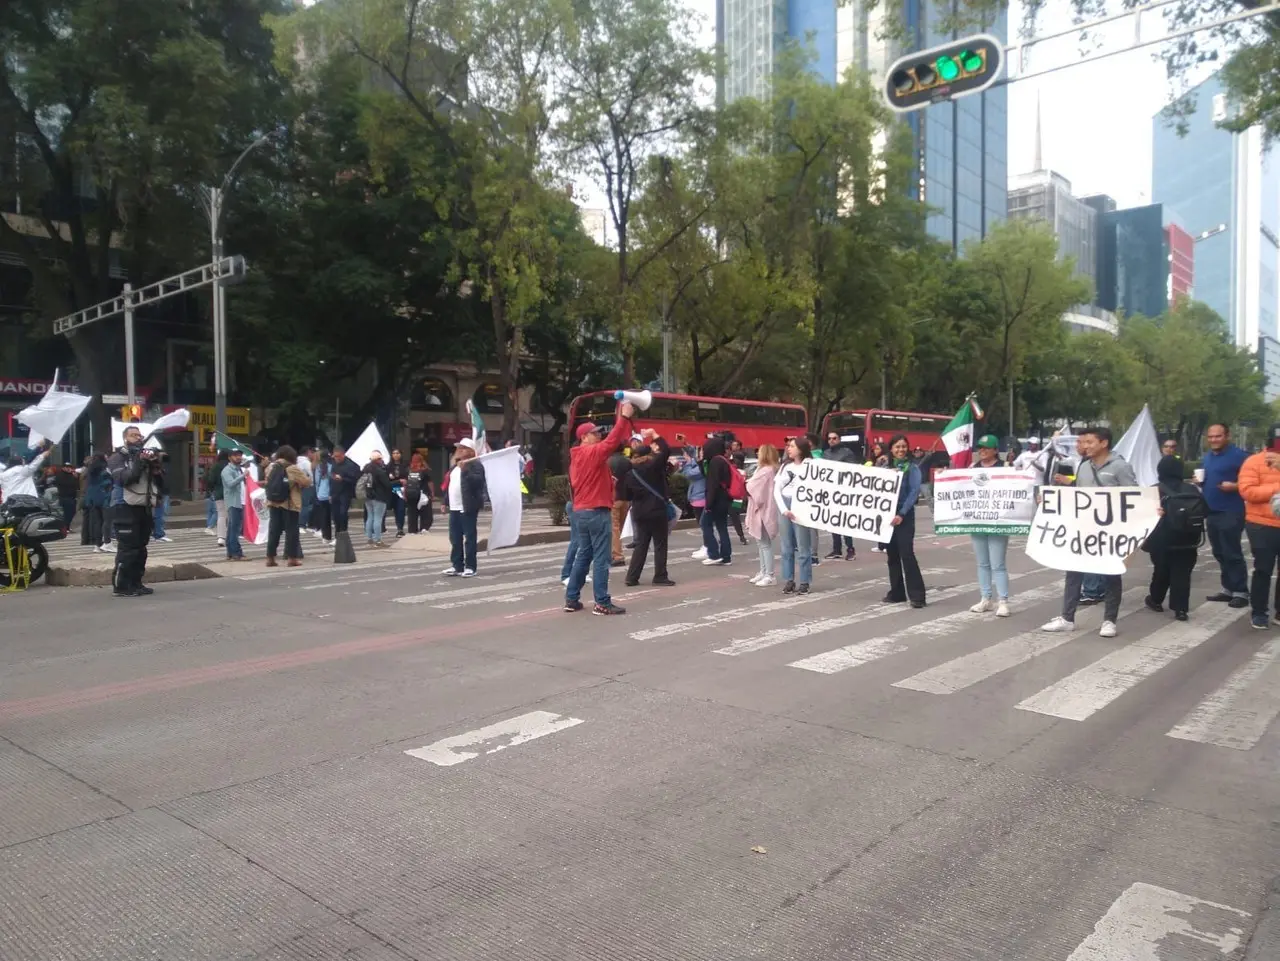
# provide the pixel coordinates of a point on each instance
(970, 650)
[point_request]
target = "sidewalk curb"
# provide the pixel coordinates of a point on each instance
(1264, 943)
(68, 575)
(59, 576)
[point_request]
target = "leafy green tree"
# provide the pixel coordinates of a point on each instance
(114, 113)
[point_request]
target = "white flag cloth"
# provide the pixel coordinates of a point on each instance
(362, 450)
(502, 478)
(628, 531)
(117, 434)
(174, 420)
(1140, 446)
(53, 416)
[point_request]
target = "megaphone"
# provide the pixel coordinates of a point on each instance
(640, 399)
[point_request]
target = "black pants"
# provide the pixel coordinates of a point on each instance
(91, 526)
(133, 533)
(905, 580)
(420, 518)
(283, 519)
(1171, 575)
(836, 547)
(341, 507)
(649, 531)
(397, 505)
(735, 517)
(1264, 541)
(462, 538)
(68, 505)
(322, 519)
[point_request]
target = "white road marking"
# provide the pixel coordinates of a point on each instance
(854, 655)
(962, 672)
(1146, 920)
(687, 602)
(545, 610)
(493, 738)
(795, 632)
(718, 617)
(1239, 712)
(1092, 688)
(498, 585)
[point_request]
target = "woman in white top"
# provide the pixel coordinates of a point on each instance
(795, 537)
(762, 512)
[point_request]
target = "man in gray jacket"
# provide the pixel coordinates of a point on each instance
(140, 473)
(1099, 467)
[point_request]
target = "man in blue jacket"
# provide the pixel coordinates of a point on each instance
(1225, 522)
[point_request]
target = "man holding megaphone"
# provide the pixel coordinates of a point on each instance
(593, 489)
(639, 399)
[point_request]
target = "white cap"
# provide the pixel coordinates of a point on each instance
(1034, 440)
(468, 443)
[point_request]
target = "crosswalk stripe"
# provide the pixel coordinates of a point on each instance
(498, 587)
(1092, 688)
(719, 617)
(1146, 917)
(963, 672)
(863, 652)
(1239, 712)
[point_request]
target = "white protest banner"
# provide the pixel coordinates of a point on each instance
(846, 498)
(502, 482)
(1092, 529)
(984, 500)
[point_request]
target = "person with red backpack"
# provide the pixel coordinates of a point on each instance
(725, 484)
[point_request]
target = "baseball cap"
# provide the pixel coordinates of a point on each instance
(585, 429)
(989, 440)
(1034, 440)
(468, 443)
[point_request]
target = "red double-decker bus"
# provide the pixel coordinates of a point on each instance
(688, 419)
(924, 431)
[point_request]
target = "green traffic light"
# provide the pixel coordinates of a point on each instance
(972, 61)
(948, 69)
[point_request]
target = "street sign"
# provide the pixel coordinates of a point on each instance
(119, 400)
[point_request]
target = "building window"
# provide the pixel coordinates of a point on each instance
(433, 396)
(488, 398)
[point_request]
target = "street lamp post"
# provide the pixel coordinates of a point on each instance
(213, 209)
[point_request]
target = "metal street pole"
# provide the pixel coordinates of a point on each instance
(219, 333)
(131, 384)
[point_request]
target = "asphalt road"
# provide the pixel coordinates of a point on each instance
(382, 764)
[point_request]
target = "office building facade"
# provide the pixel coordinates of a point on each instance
(1046, 195)
(1224, 190)
(1180, 251)
(961, 148)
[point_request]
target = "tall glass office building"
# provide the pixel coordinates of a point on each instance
(961, 147)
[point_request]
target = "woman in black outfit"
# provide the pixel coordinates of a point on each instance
(1174, 542)
(715, 518)
(397, 472)
(646, 489)
(418, 482)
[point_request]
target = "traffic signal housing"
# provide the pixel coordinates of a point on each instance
(954, 69)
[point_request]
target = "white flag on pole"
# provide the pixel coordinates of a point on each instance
(502, 478)
(1140, 446)
(362, 450)
(53, 416)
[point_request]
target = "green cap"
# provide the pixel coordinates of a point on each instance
(989, 440)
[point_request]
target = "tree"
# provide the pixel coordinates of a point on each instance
(1029, 290)
(99, 95)
(628, 95)
(1086, 378)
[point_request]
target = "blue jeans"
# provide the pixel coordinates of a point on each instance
(308, 502)
(161, 508)
(1093, 586)
(210, 512)
(1224, 529)
(462, 540)
(796, 539)
(715, 524)
(595, 539)
(571, 552)
(235, 525)
(377, 511)
(991, 550)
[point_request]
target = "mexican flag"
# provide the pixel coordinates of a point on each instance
(957, 436)
(255, 512)
(223, 442)
(477, 429)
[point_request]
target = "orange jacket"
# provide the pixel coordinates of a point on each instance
(1258, 484)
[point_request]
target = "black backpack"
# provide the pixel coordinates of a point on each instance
(1185, 512)
(278, 484)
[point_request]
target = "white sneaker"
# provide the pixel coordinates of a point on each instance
(754, 578)
(468, 572)
(109, 547)
(700, 554)
(167, 540)
(564, 581)
(211, 531)
(714, 563)
(982, 607)
(766, 582)
(1108, 629)
(450, 572)
(1060, 625)
(1002, 609)
(222, 542)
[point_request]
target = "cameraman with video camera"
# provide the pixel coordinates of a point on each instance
(140, 473)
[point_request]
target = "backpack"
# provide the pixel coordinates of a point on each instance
(362, 487)
(1185, 513)
(737, 483)
(278, 484)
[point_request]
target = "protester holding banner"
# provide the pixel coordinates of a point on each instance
(1176, 539)
(1099, 467)
(906, 583)
(797, 540)
(1259, 482)
(991, 549)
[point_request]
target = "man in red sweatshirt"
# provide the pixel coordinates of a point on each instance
(593, 490)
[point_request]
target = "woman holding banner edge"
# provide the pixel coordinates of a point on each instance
(797, 540)
(991, 549)
(905, 580)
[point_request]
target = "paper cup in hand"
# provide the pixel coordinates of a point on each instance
(1198, 473)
